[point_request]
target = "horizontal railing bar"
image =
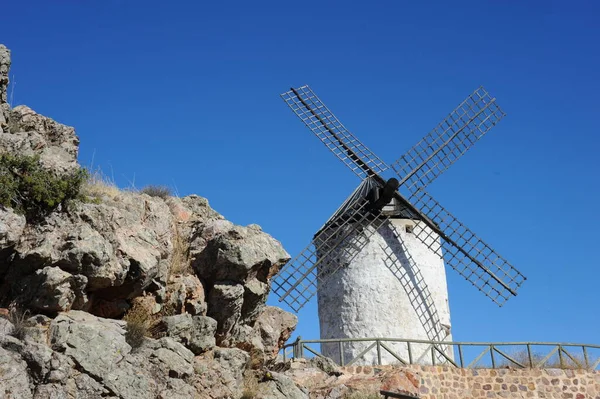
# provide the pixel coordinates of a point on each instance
(421, 341)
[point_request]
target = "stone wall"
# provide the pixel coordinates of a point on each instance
(439, 382)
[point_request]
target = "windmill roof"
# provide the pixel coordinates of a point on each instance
(361, 192)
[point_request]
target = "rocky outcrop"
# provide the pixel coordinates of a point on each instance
(128, 295)
(324, 380)
(4, 106)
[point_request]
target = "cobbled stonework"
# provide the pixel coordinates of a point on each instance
(439, 382)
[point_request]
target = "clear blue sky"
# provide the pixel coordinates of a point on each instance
(186, 94)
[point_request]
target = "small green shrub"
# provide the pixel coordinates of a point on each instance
(31, 190)
(157, 191)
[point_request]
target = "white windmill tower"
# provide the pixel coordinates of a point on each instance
(377, 264)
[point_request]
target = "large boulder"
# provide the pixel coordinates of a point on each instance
(272, 329)
(94, 257)
(30, 133)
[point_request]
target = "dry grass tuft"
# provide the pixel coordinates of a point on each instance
(180, 259)
(576, 362)
(163, 192)
(98, 185)
(18, 318)
(139, 320)
(362, 395)
(250, 386)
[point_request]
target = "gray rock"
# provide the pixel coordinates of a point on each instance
(112, 251)
(280, 387)
(11, 227)
(14, 378)
(38, 358)
(222, 251)
(195, 332)
(6, 327)
(187, 295)
(55, 290)
(177, 389)
(175, 365)
(225, 302)
(272, 329)
(203, 334)
(4, 69)
(174, 346)
(219, 374)
(33, 134)
(96, 345)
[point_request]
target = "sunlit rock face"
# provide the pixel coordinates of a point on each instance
(394, 288)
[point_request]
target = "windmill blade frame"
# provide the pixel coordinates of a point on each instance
(448, 141)
(296, 282)
(466, 253)
(477, 115)
(321, 121)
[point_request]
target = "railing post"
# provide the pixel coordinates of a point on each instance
(460, 355)
(341, 353)
(378, 353)
(531, 365)
(432, 355)
(585, 357)
(560, 357)
(410, 356)
(492, 356)
(298, 348)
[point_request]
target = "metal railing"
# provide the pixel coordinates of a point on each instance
(459, 354)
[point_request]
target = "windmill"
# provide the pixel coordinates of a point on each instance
(377, 264)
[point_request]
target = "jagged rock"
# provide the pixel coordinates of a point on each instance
(195, 332)
(4, 68)
(14, 378)
(11, 227)
(222, 251)
(119, 248)
(225, 302)
(55, 290)
(324, 364)
(280, 386)
(11, 230)
(186, 294)
(272, 329)
(128, 251)
(219, 374)
(95, 344)
(30, 133)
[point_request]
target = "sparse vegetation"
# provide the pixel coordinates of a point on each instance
(18, 318)
(139, 321)
(98, 185)
(574, 361)
(250, 386)
(163, 192)
(180, 258)
(362, 395)
(34, 191)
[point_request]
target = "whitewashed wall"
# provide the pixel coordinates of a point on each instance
(393, 288)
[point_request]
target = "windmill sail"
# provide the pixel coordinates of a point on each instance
(317, 117)
(466, 253)
(460, 248)
(441, 147)
(336, 245)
